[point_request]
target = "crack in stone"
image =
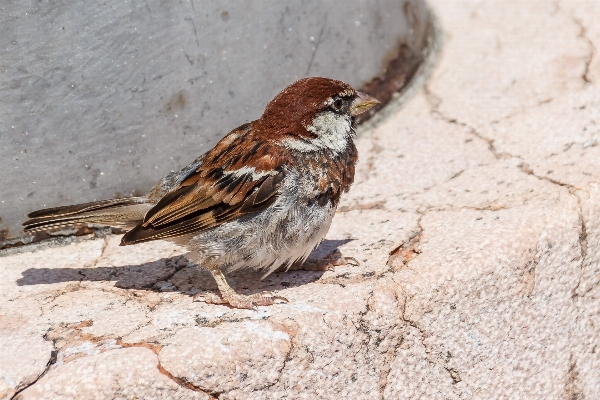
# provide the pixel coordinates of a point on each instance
(490, 142)
(386, 368)
(383, 379)
(70, 288)
(288, 356)
(156, 348)
(406, 252)
(417, 327)
(65, 335)
(572, 389)
(435, 101)
(373, 205)
(362, 325)
(582, 35)
(408, 249)
(206, 323)
(367, 329)
(453, 374)
(592, 52)
(566, 148)
(522, 110)
(583, 244)
(140, 326)
(428, 188)
(583, 235)
(51, 361)
(456, 175)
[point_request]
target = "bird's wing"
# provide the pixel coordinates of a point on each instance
(173, 180)
(240, 176)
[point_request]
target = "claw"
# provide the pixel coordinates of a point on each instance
(239, 300)
(208, 297)
(325, 264)
(336, 259)
(267, 299)
(354, 262)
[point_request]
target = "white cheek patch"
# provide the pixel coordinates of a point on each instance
(334, 132)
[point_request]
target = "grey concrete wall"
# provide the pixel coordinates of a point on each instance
(101, 99)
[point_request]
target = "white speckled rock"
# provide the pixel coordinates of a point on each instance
(117, 374)
(244, 357)
(24, 354)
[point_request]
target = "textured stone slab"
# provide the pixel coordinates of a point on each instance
(116, 374)
(244, 357)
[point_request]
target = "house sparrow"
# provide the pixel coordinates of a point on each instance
(263, 197)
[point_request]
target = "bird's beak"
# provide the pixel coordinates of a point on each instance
(361, 103)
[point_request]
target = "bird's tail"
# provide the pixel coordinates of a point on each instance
(123, 213)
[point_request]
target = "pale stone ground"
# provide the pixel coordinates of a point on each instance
(476, 216)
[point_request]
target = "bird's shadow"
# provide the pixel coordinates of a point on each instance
(178, 274)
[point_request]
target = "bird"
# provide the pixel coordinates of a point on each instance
(263, 197)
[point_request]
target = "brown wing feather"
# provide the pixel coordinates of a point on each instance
(114, 212)
(241, 175)
(80, 208)
(260, 198)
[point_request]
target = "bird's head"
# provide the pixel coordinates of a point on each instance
(315, 114)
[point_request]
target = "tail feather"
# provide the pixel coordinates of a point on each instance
(117, 212)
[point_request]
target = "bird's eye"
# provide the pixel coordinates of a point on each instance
(337, 105)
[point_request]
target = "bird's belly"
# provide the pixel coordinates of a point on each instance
(274, 237)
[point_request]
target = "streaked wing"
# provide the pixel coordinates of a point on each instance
(115, 212)
(238, 177)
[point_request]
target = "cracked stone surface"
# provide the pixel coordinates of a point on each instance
(476, 218)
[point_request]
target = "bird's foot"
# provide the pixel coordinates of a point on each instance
(327, 263)
(236, 300)
(335, 259)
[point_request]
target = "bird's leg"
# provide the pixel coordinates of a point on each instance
(327, 263)
(236, 300)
